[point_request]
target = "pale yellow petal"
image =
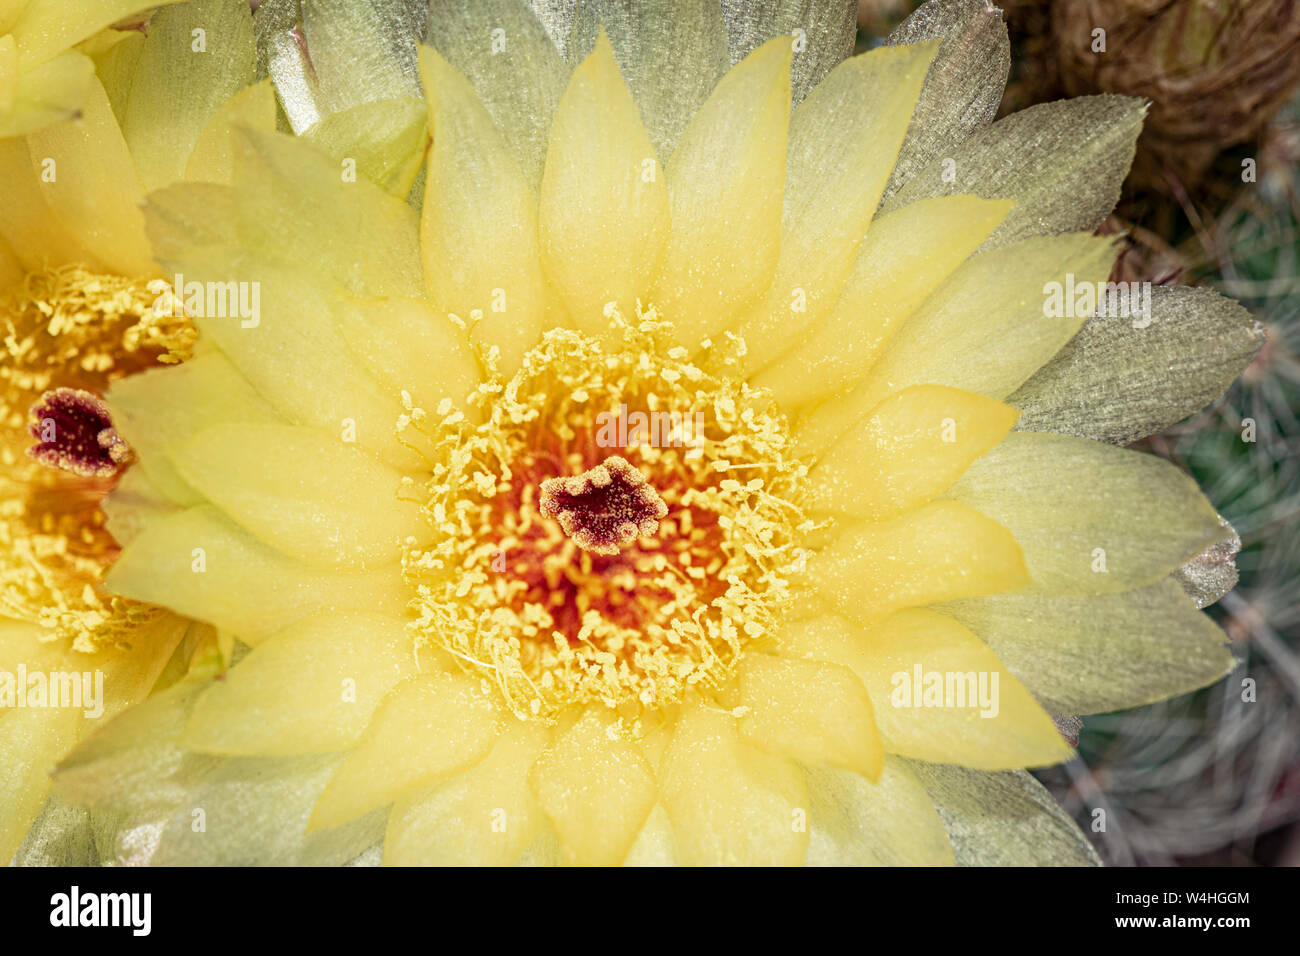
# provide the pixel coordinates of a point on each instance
(731, 804)
(726, 183)
(309, 689)
(93, 189)
(297, 490)
(428, 729)
(843, 141)
(940, 551)
(815, 712)
(596, 788)
(486, 816)
(911, 448)
(44, 28)
(603, 211)
(890, 822)
(200, 563)
(478, 231)
(163, 407)
(989, 327)
(1100, 653)
(196, 56)
(413, 349)
(904, 257)
(941, 695)
(1091, 518)
(212, 159)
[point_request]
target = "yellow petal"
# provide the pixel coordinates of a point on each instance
(986, 329)
(1017, 732)
(726, 183)
(32, 739)
(212, 159)
(597, 790)
(397, 338)
(163, 407)
(941, 695)
(94, 190)
(843, 141)
(429, 728)
(487, 816)
(296, 489)
(730, 804)
(604, 207)
(655, 845)
(46, 94)
(912, 447)
(385, 138)
(292, 313)
(202, 564)
(310, 689)
(903, 259)
(295, 205)
(44, 28)
(514, 65)
(940, 551)
(37, 238)
(1101, 653)
(478, 232)
(814, 712)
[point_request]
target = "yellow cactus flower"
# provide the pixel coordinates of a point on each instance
(717, 466)
(78, 296)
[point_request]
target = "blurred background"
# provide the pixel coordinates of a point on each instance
(1214, 200)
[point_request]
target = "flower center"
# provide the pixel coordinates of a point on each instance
(580, 560)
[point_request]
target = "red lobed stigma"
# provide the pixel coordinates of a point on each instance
(605, 508)
(74, 432)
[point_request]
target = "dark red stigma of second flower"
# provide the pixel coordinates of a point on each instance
(74, 432)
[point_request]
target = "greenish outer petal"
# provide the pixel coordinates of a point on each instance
(282, 56)
(557, 17)
(854, 822)
(174, 90)
(829, 28)
(134, 764)
(1124, 377)
(1063, 163)
(1003, 819)
(255, 812)
(520, 83)
(1100, 653)
(1212, 573)
(672, 53)
(965, 83)
(363, 51)
(60, 836)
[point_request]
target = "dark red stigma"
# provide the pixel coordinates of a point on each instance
(605, 508)
(74, 432)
